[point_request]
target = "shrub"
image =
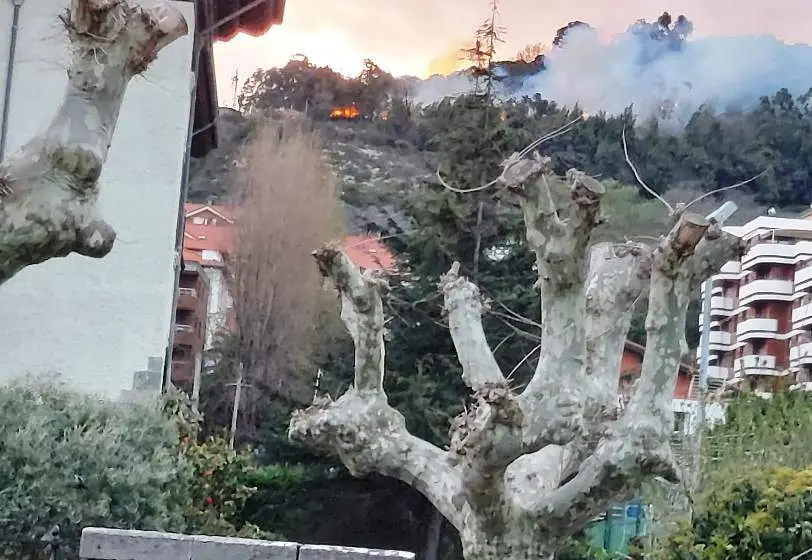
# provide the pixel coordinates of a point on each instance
(766, 517)
(76, 461)
(219, 490)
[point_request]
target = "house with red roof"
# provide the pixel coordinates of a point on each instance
(209, 238)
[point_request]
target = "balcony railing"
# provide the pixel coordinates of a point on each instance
(801, 354)
(803, 278)
(778, 253)
(756, 364)
(721, 305)
(802, 316)
(767, 289)
(730, 271)
(718, 372)
(758, 327)
(181, 328)
(191, 292)
(720, 338)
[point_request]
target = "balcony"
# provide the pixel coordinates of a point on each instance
(769, 253)
(730, 271)
(762, 364)
(767, 289)
(756, 328)
(185, 334)
(803, 279)
(187, 298)
(720, 338)
(801, 354)
(722, 306)
(802, 316)
(718, 372)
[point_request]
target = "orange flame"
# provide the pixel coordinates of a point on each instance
(346, 112)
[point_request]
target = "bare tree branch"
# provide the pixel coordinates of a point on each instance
(463, 305)
(618, 277)
(637, 176)
(360, 427)
(49, 187)
(723, 189)
(555, 392)
(362, 313)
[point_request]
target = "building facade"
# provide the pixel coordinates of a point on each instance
(761, 309)
(190, 324)
(209, 240)
(103, 325)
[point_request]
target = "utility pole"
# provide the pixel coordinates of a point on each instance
(235, 80)
(720, 215)
(235, 411)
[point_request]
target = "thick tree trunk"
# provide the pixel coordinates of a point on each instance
(49, 187)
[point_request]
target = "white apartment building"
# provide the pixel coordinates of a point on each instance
(761, 309)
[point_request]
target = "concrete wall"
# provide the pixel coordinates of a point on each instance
(116, 544)
(97, 322)
(714, 413)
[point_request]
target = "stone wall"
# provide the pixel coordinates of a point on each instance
(117, 544)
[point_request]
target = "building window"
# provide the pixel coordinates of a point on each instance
(209, 255)
(199, 220)
(679, 421)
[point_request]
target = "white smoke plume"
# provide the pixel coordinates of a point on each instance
(634, 69)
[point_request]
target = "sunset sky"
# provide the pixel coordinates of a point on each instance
(420, 37)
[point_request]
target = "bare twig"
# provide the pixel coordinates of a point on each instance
(802, 555)
(515, 158)
(734, 186)
(637, 175)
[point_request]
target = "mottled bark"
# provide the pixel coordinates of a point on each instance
(49, 187)
(525, 471)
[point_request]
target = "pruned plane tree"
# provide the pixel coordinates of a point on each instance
(49, 187)
(526, 469)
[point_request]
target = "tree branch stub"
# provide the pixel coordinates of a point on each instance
(463, 305)
(49, 187)
(361, 312)
(360, 427)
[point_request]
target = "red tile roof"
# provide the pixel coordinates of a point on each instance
(369, 253)
(366, 252)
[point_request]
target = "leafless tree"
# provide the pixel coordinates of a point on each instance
(287, 206)
(524, 470)
(49, 187)
(531, 52)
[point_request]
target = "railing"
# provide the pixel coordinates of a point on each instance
(756, 327)
(769, 252)
(187, 292)
(179, 327)
(721, 338)
(754, 364)
(766, 288)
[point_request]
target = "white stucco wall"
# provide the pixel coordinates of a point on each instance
(714, 413)
(218, 303)
(97, 322)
